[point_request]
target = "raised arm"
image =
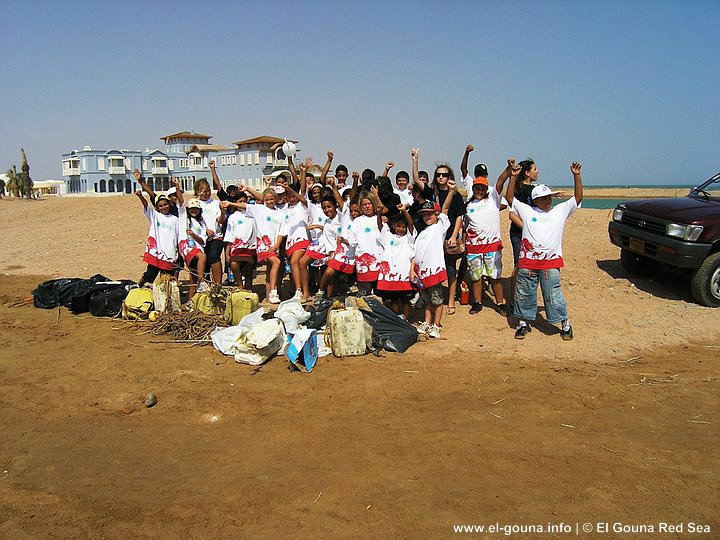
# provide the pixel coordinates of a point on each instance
(178, 190)
(216, 181)
(389, 165)
(577, 179)
(407, 216)
(381, 208)
(293, 172)
(510, 193)
(300, 197)
(463, 164)
(448, 200)
(143, 199)
(338, 197)
(355, 182)
(504, 175)
(417, 183)
(326, 168)
(303, 174)
(255, 194)
(144, 185)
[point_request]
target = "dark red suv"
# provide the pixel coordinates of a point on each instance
(683, 233)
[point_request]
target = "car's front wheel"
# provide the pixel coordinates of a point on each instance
(637, 265)
(705, 282)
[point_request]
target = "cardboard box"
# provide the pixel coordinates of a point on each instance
(302, 349)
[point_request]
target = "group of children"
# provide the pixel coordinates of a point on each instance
(403, 243)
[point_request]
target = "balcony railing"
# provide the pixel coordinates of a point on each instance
(75, 171)
(159, 170)
(116, 170)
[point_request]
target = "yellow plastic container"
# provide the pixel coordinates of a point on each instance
(138, 304)
(240, 303)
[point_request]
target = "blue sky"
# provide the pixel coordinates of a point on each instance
(630, 89)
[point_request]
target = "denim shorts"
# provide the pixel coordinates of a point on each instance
(526, 284)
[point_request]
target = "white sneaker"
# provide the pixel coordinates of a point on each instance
(298, 294)
(274, 297)
(434, 331)
(423, 328)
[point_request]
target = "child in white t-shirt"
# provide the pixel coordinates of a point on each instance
(483, 243)
(161, 248)
(267, 225)
(430, 261)
(402, 181)
(364, 237)
(241, 245)
(331, 228)
(342, 261)
(398, 261)
(541, 253)
(192, 238)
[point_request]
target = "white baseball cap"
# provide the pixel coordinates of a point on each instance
(541, 190)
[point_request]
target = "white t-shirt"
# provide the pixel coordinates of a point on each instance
(344, 258)
(210, 212)
(398, 251)
(315, 217)
(327, 242)
(294, 226)
(542, 234)
(240, 234)
(482, 224)
(365, 236)
(405, 195)
(267, 225)
(429, 254)
(161, 248)
(186, 242)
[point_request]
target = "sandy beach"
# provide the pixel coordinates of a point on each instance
(619, 425)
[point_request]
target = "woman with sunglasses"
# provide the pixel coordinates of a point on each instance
(456, 214)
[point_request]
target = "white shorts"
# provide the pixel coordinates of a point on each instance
(485, 264)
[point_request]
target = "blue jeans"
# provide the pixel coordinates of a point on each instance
(525, 306)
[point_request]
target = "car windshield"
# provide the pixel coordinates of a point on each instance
(710, 189)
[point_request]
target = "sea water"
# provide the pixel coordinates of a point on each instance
(606, 203)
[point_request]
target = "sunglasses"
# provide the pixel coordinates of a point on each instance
(442, 175)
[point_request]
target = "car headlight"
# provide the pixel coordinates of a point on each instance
(618, 214)
(686, 232)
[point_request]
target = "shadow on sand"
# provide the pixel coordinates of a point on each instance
(664, 284)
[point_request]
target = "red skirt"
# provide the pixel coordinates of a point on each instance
(302, 244)
(345, 268)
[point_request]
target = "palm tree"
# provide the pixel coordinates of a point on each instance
(13, 184)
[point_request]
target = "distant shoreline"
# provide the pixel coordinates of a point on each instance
(627, 192)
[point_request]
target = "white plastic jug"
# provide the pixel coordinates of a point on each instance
(345, 328)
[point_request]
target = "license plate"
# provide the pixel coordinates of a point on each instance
(637, 245)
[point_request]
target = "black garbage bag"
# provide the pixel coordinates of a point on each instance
(107, 299)
(319, 313)
(60, 292)
(396, 334)
(80, 300)
(47, 294)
